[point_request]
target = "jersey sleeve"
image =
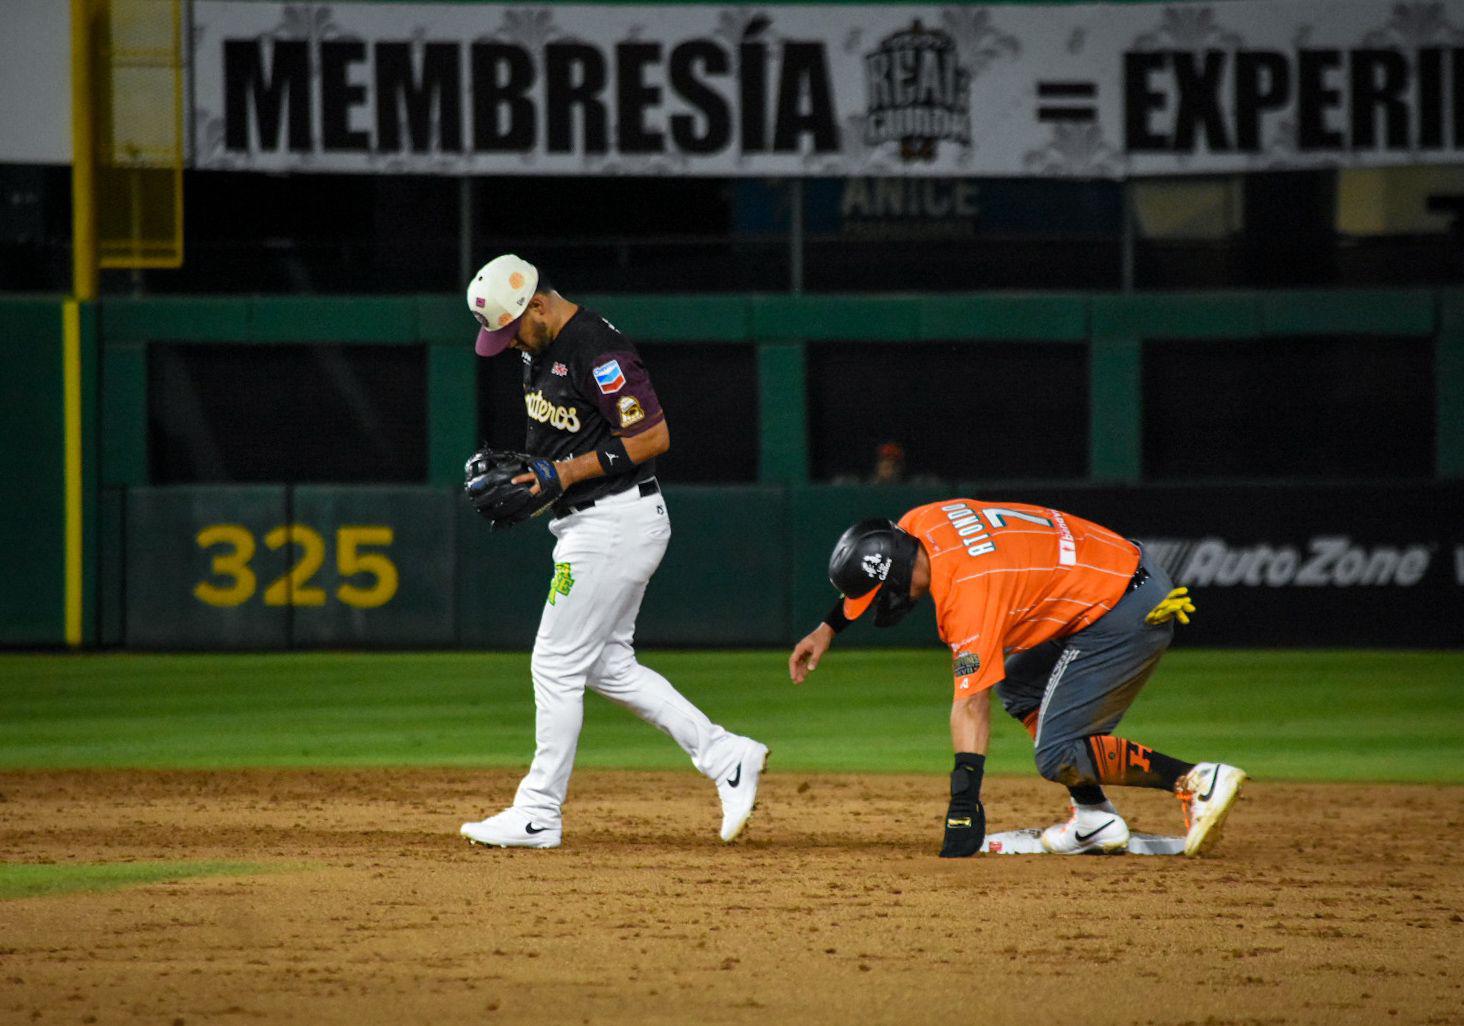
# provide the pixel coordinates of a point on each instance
(621, 389)
(972, 624)
(977, 659)
(970, 618)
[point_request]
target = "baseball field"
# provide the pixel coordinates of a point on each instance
(273, 838)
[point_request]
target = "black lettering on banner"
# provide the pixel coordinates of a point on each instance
(338, 96)
(1252, 98)
(1065, 101)
(879, 87)
(1368, 94)
(633, 95)
(440, 87)
(904, 75)
(1431, 98)
(1140, 99)
(1315, 99)
(502, 77)
(805, 71)
(690, 88)
(1199, 100)
(574, 77)
(752, 67)
(245, 86)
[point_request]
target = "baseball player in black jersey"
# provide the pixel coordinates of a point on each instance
(596, 427)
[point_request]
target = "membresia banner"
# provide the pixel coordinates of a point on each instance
(1082, 91)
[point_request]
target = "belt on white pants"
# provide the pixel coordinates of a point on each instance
(650, 487)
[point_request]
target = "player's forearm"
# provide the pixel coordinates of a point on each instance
(650, 443)
(579, 468)
(971, 723)
(834, 620)
(647, 445)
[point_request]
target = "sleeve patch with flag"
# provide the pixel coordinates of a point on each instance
(609, 377)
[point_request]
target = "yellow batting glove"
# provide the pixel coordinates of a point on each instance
(1177, 605)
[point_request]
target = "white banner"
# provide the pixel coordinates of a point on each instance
(813, 90)
(35, 82)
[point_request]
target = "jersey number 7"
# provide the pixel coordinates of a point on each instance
(995, 515)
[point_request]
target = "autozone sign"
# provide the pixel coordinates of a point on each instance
(1328, 561)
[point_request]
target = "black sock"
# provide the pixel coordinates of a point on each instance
(1167, 769)
(1088, 794)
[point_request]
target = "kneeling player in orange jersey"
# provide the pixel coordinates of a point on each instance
(1066, 620)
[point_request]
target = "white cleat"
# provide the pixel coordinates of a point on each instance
(514, 828)
(1090, 830)
(1208, 792)
(739, 790)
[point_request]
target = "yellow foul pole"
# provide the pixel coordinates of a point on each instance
(83, 157)
(84, 290)
(71, 407)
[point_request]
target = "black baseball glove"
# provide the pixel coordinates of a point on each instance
(491, 488)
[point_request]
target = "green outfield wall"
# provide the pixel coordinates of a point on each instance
(405, 564)
(318, 566)
(32, 513)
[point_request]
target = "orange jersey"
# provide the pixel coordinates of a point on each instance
(1009, 576)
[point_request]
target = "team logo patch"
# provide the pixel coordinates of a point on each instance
(631, 411)
(610, 377)
(560, 369)
(967, 663)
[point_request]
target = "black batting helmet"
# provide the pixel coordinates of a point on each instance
(872, 563)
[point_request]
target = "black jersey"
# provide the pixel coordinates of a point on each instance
(587, 385)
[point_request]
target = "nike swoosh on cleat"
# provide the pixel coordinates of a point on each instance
(736, 778)
(531, 829)
(1084, 838)
(1213, 781)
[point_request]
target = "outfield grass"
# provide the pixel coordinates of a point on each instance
(31, 880)
(1385, 716)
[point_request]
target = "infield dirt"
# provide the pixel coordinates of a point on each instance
(1323, 904)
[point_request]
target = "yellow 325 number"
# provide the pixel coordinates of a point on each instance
(237, 582)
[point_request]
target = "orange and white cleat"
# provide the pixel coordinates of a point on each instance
(1207, 794)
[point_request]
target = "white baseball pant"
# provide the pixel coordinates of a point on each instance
(585, 640)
